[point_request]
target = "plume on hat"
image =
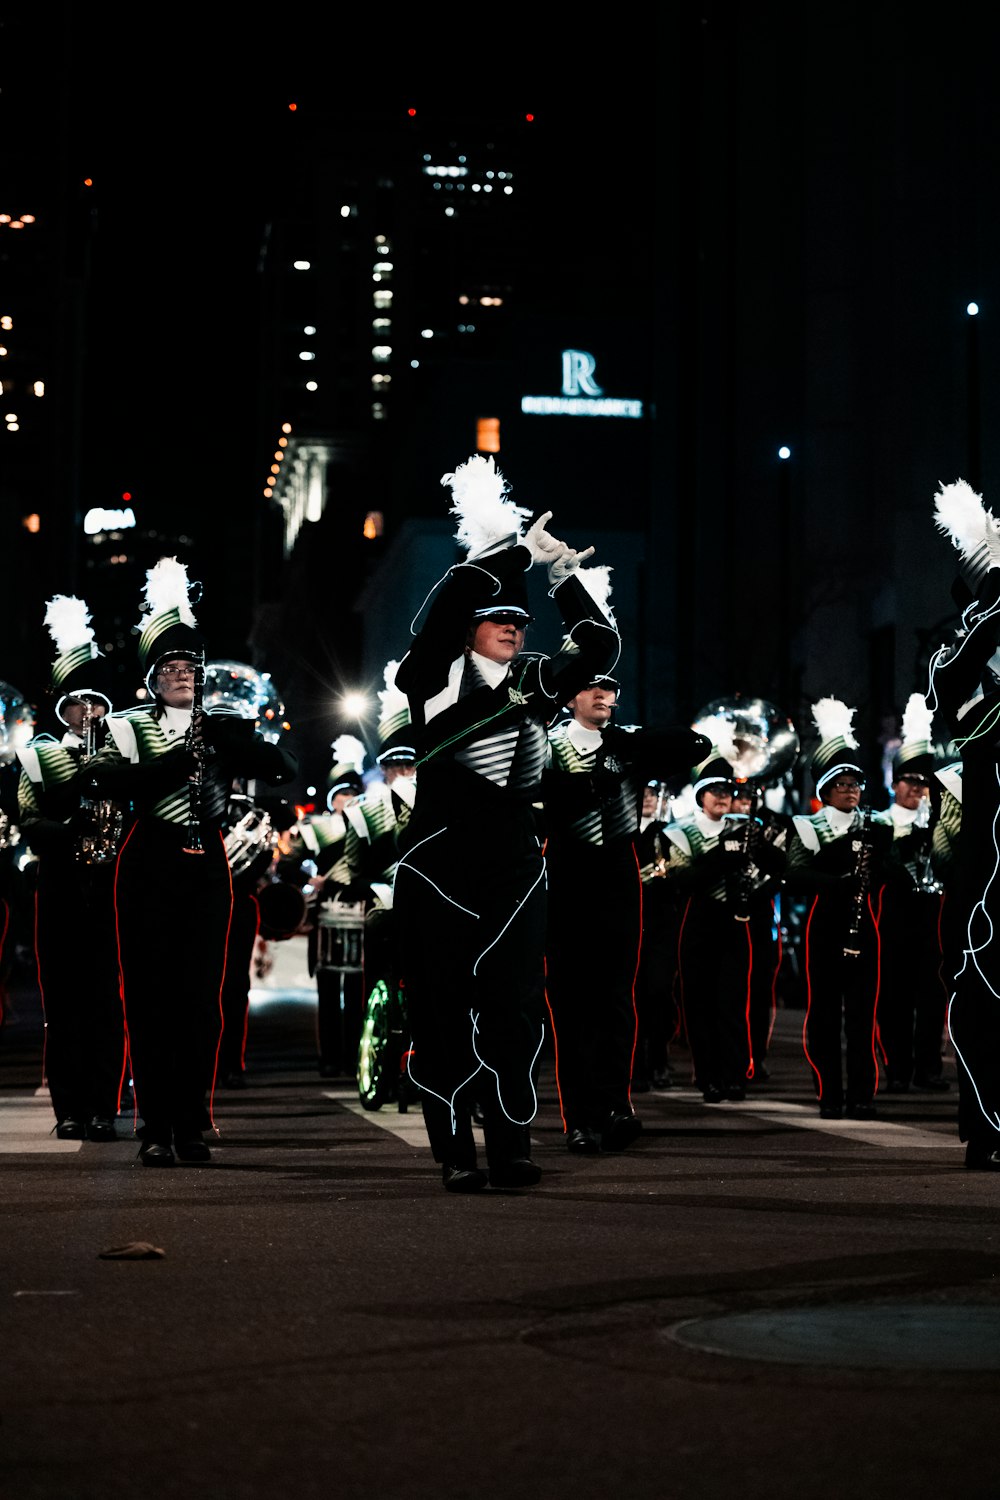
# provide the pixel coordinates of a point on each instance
(833, 720)
(917, 719)
(348, 753)
(167, 588)
(487, 519)
(393, 699)
(68, 619)
(597, 582)
(961, 515)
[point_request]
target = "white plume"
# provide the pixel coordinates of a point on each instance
(487, 520)
(917, 719)
(391, 697)
(68, 619)
(961, 516)
(833, 720)
(167, 588)
(348, 751)
(597, 582)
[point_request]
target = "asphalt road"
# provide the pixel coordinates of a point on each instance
(749, 1301)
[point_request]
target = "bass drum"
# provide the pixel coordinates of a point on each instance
(283, 910)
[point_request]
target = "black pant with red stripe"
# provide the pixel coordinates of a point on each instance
(173, 923)
(842, 999)
(591, 956)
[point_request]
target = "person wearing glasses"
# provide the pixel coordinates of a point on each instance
(175, 769)
(74, 897)
(469, 895)
(836, 864)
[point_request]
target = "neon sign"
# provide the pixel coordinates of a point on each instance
(581, 395)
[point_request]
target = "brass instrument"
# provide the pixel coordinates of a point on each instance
(251, 836)
(194, 741)
(102, 819)
(861, 878)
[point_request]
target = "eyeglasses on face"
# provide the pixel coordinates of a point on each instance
(848, 786)
(182, 671)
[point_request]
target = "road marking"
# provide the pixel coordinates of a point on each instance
(26, 1125)
(878, 1132)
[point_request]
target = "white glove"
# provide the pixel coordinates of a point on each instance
(566, 562)
(540, 544)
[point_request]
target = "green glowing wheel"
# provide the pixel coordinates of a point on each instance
(378, 1061)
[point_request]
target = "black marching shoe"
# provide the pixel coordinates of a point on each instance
(155, 1154)
(861, 1112)
(980, 1158)
(619, 1132)
(71, 1130)
(463, 1179)
(101, 1128)
(522, 1172)
(192, 1147)
(935, 1085)
(831, 1111)
(583, 1141)
(711, 1094)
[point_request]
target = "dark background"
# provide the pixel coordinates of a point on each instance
(778, 216)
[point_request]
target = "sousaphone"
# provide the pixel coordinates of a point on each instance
(761, 742)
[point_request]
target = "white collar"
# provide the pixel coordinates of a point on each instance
(584, 739)
(902, 815)
(175, 721)
(73, 740)
(492, 672)
(839, 821)
(710, 827)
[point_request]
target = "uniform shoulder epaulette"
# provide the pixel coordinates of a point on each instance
(42, 739)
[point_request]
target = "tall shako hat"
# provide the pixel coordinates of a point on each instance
(489, 525)
(79, 668)
(833, 720)
(916, 754)
(395, 737)
(964, 519)
(709, 772)
(167, 625)
(348, 763)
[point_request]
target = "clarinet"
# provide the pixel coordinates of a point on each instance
(194, 741)
(861, 876)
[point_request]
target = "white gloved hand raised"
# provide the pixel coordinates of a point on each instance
(542, 546)
(566, 562)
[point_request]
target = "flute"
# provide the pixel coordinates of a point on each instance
(195, 742)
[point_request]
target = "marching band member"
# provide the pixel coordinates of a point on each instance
(469, 892)
(913, 997)
(656, 999)
(769, 832)
(966, 685)
(836, 861)
(592, 792)
(714, 948)
(363, 875)
(75, 943)
(175, 765)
